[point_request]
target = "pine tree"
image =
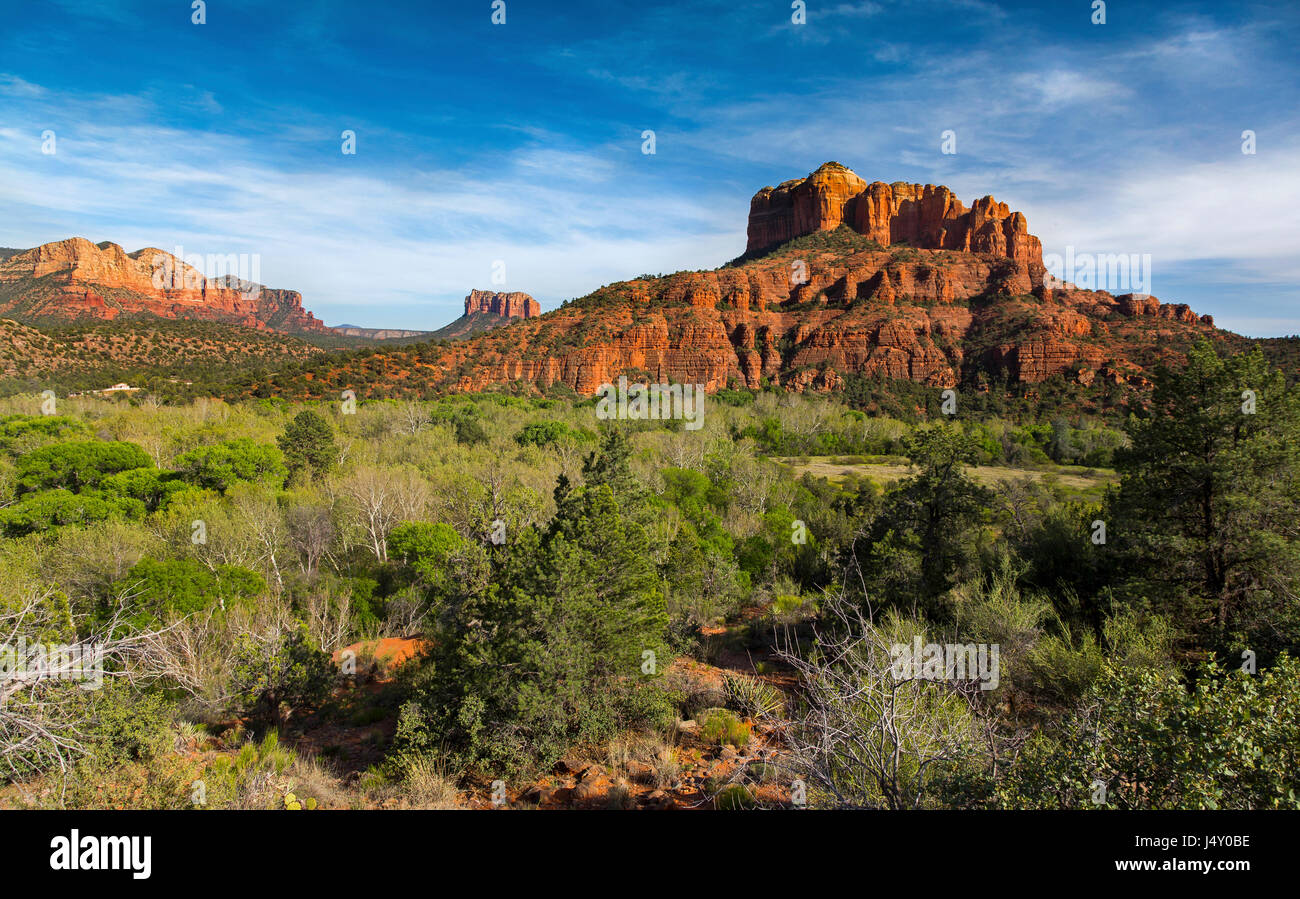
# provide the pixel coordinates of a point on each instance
(1205, 515)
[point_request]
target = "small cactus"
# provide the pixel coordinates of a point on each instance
(291, 802)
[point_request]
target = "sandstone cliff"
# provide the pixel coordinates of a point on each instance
(76, 279)
(816, 313)
(507, 305)
(925, 217)
(486, 310)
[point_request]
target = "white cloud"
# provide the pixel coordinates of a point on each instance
(14, 86)
(1059, 88)
(404, 245)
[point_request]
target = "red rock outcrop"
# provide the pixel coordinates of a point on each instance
(925, 217)
(75, 279)
(507, 305)
(936, 317)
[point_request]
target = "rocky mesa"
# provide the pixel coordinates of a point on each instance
(485, 310)
(507, 305)
(75, 279)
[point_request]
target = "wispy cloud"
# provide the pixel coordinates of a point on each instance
(399, 246)
(523, 143)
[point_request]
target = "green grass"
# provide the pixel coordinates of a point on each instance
(721, 726)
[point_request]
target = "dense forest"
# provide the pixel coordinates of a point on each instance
(497, 599)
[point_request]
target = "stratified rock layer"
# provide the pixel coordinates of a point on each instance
(925, 217)
(507, 305)
(76, 279)
(813, 317)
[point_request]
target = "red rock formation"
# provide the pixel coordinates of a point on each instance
(508, 305)
(74, 278)
(927, 316)
(925, 217)
(816, 203)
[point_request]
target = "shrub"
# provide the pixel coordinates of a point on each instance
(754, 697)
(721, 726)
(1144, 739)
(79, 465)
(222, 465)
(734, 797)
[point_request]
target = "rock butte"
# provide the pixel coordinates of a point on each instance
(508, 305)
(926, 291)
(928, 217)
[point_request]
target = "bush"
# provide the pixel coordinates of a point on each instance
(734, 797)
(78, 466)
(754, 697)
(1143, 739)
(288, 670)
(721, 726)
(221, 466)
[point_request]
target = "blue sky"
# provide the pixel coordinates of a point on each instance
(521, 143)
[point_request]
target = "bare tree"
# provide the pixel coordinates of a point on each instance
(311, 533)
(43, 687)
(383, 497)
(329, 618)
(261, 519)
(865, 737)
(194, 655)
(754, 480)
(804, 416)
(412, 417)
(570, 451)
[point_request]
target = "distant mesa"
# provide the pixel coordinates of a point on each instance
(486, 310)
(507, 305)
(75, 279)
(926, 217)
(895, 282)
(376, 333)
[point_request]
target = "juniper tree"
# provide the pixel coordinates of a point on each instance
(308, 445)
(553, 651)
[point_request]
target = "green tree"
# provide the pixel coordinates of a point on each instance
(1230, 741)
(222, 465)
(308, 445)
(39, 512)
(428, 548)
(553, 651)
(610, 464)
(1205, 512)
(165, 589)
(469, 430)
(267, 674)
(21, 433)
(542, 433)
(148, 485)
(926, 538)
(78, 465)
